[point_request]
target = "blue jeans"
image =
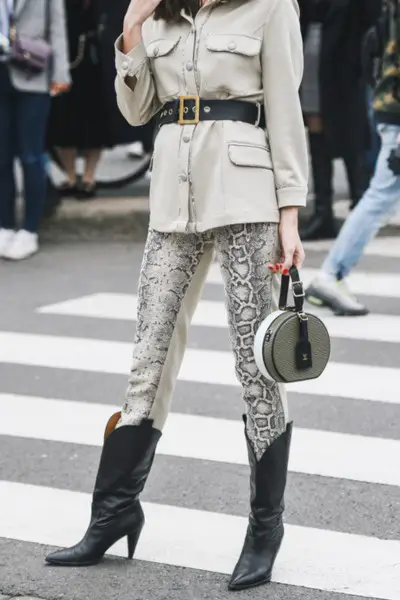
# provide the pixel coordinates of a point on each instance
(23, 120)
(378, 203)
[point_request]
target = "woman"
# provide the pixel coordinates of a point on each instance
(334, 100)
(218, 182)
(24, 107)
(84, 121)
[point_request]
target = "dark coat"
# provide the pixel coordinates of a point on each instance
(342, 82)
(109, 16)
(104, 20)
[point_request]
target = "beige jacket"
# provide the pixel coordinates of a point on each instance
(221, 172)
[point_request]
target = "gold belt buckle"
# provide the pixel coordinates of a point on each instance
(183, 110)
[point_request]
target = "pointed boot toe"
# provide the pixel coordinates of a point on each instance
(256, 561)
(249, 577)
(265, 530)
(72, 557)
(125, 463)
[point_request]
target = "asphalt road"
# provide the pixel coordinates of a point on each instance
(62, 364)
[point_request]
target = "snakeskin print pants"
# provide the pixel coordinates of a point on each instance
(173, 272)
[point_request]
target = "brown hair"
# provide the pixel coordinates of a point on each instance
(170, 10)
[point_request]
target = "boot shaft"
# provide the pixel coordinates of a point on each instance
(268, 477)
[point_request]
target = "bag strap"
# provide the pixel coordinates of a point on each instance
(297, 288)
(13, 21)
(47, 21)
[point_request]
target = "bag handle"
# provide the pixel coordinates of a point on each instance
(297, 287)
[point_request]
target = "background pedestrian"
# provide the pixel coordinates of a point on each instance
(334, 100)
(24, 105)
(383, 195)
(86, 120)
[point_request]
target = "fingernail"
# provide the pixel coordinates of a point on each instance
(285, 272)
(271, 267)
(277, 266)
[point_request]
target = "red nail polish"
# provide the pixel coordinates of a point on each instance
(285, 272)
(277, 266)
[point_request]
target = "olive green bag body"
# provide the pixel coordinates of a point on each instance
(291, 345)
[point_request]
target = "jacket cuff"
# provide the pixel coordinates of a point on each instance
(291, 196)
(127, 65)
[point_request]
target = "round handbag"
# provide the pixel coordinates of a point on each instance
(291, 345)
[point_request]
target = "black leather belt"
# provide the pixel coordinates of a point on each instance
(190, 110)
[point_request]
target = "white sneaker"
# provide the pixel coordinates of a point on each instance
(325, 290)
(23, 244)
(135, 150)
(6, 235)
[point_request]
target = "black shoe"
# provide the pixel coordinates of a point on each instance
(66, 190)
(86, 190)
(319, 227)
(265, 530)
(322, 224)
(125, 463)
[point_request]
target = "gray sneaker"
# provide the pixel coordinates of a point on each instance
(325, 290)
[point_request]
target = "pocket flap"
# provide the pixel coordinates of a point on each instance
(160, 47)
(235, 43)
(246, 155)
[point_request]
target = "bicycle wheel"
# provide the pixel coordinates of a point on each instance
(115, 170)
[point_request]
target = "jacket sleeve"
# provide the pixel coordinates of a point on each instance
(282, 64)
(58, 40)
(136, 91)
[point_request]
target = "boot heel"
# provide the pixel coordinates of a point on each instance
(133, 539)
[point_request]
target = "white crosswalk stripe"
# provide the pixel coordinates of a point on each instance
(339, 562)
(379, 328)
(383, 285)
(373, 460)
(382, 246)
(378, 384)
(183, 537)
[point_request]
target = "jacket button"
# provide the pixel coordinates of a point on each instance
(189, 66)
(232, 46)
(184, 177)
(186, 138)
(156, 51)
(125, 65)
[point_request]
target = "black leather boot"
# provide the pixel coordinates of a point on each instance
(322, 224)
(265, 530)
(125, 463)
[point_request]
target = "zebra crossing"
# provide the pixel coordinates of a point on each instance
(360, 471)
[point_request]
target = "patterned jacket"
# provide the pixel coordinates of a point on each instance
(387, 92)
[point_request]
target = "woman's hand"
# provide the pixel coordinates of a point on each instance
(291, 246)
(58, 88)
(137, 13)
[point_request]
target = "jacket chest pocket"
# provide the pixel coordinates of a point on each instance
(232, 63)
(165, 66)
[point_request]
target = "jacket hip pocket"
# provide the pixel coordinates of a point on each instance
(249, 176)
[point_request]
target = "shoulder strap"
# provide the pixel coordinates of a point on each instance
(47, 20)
(13, 24)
